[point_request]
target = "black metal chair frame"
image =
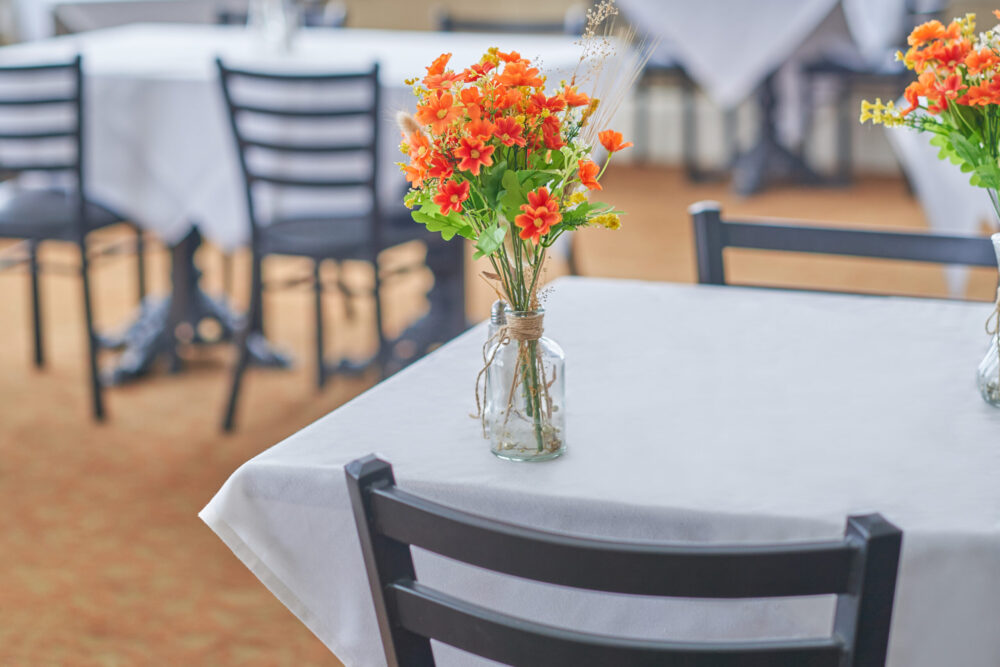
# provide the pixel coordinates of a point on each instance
(713, 234)
(368, 181)
(859, 569)
(75, 229)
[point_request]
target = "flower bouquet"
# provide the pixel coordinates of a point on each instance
(499, 159)
(957, 98)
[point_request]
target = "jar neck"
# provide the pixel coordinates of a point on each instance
(525, 325)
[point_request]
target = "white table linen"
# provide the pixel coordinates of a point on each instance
(161, 150)
(696, 414)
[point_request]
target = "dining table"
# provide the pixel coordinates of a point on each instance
(696, 415)
(161, 152)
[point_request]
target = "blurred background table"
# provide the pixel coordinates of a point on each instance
(164, 156)
(813, 408)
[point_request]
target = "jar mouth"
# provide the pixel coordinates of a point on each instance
(525, 313)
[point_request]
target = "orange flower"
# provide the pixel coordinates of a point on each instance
(511, 57)
(540, 213)
(414, 175)
(550, 133)
(588, 174)
(437, 67)
(612, 141)
(439, 81)
(925, 32)
(949, 55)
(420, 148)
(508, 131)
(477, 71)
(451, 195)
(575, 99)
(474, 153)
(980, 60)
(438, 112)
(539, 102)
(520, 74)
(439, 167)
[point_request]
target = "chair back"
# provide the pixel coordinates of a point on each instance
(331, 15)
(860, 569)
(312, 136)
(713, 235)
(41, 119)
(573, 24)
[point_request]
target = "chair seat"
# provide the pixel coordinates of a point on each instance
(47, 214)
(333, 238)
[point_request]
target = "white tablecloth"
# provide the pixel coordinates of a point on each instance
(729, 47)
(697, 414)
(161, 150)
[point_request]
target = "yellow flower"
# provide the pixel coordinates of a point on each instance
(607, 220)
(968, 25)
(577, 198)
(881, 114)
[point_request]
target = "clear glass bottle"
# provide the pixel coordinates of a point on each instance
(525, 392)
(498, 320)
(989, 368)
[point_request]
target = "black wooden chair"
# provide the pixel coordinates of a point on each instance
(860, 569)
(712, 235)
(327, 234)
(53, 144)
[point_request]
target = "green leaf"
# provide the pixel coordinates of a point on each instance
(512, 196)
(490, 240)
(430, 215)
(490, 182)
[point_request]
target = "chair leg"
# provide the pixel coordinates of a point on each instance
(689, 129)
(383, 345)
(572, 264)
(641, 99)
(92, 343)
(140, 263)
(253, 320)
(36, 307)
(318, 302)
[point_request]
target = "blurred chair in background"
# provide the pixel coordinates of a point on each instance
(60, 211)
(572, 23)
(664, 70)
(713, 235)
(315, 14)
(846, 74)
(320, 140)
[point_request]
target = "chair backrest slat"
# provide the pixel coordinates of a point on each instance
(303, 182)
(282, 147)
(512, 641)
(713, 235)
(324, 134)
(860, 569)
(301, 113)
(815, 568)
(41, 127)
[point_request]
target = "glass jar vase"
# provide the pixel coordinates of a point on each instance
(988, 377)
(525, 392)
